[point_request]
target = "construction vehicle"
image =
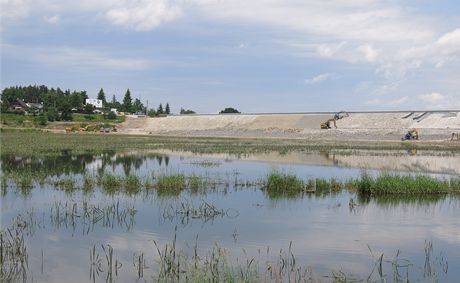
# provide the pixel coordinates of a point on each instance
(90, 128)
(74, 128)
(337, 116)
(412, 134)
(327, 124)
(340, 115)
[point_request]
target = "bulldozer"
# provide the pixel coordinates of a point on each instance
(412, 134)
(327, 124)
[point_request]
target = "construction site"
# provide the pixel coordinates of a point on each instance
(366, 126)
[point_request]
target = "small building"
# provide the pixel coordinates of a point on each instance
(95, 102)
(26, 107)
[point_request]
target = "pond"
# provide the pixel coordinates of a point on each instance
(96, 236)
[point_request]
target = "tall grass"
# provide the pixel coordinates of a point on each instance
(397, 184)
(171, 183)
(282, 182)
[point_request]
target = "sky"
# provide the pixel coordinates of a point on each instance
(253, 55)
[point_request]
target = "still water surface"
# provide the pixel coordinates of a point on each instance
(326, 232)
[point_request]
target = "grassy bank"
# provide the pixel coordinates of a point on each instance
(29, 121)
(45, 143)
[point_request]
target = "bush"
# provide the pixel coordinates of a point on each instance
(110, 116)
(152, 113)
(52, 115)
(89, 109)
(42, 119)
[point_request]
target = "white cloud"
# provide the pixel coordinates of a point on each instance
(75, 58)
(400, 100)
(143, 15)
(386, 35)
(52, 19)
(433, 98)
(320, 78)
(12, 10)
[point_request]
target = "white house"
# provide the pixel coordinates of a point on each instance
(95, 102)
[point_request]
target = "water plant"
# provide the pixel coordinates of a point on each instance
(170, 183)
(403, 184)
(110, 183)
(282, 182)
(132, 184)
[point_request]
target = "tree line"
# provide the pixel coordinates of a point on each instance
(59, 104)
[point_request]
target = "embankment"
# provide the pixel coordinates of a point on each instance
(375, 126)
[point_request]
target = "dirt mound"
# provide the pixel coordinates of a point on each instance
(367, 126)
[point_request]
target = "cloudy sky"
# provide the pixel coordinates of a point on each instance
(255, 55)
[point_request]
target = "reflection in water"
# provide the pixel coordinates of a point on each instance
(329, 230)
(410, 161)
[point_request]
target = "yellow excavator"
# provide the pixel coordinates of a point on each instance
(337, 116)
(327, 124)
(412, 134)
(74, 128)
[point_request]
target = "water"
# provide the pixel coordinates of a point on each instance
(340, 231)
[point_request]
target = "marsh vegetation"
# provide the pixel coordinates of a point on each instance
(214, 214)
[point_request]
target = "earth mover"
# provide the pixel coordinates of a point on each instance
(72, 129)
(327, 124)
(337, 116)
(411, 135)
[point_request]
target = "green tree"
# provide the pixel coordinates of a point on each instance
(76, 100)
(101, 96)
(167, 109)
(127, 102)
(5, 105)
(188, 111)
(52, 114)
(89, 109)
(66, 112)
(138, 106)
(152, 113)
(229, 110)
(160, 109)
(110, 116)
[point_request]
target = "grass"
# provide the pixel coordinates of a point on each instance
(277, 184)
(45, 143)
(397, 184)
(95, 118)
(132, 184)
(281, 182)
(110, 183)
(29, 121)
(172, 184)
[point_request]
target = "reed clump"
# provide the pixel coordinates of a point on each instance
(110, 183)
(397, 184)
(282, 182)
(171, 183)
